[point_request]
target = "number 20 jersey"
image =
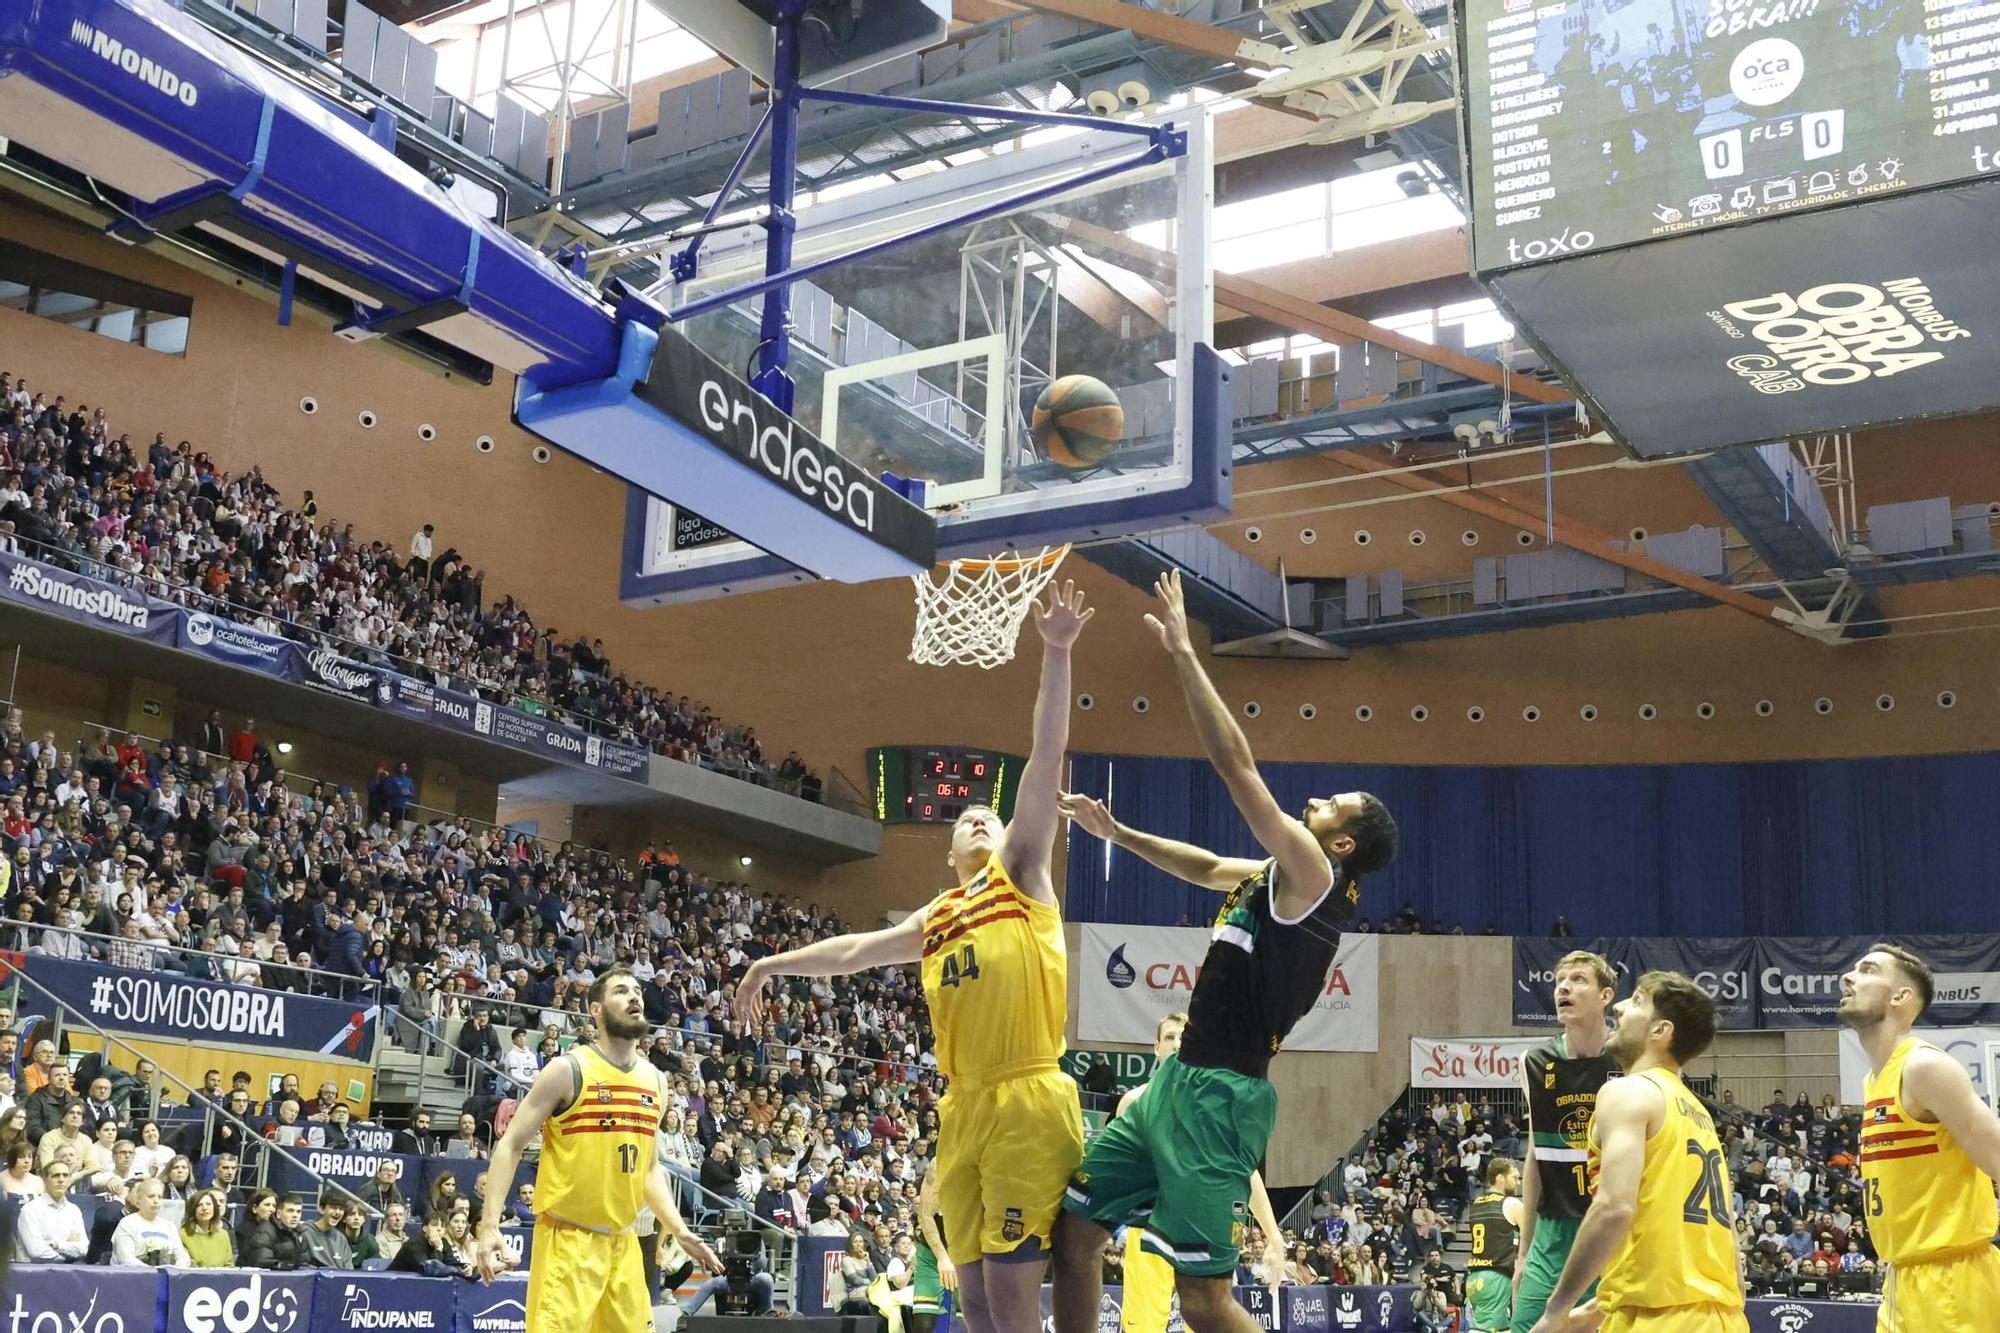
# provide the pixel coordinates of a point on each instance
(996, 976)
(1682, 1249)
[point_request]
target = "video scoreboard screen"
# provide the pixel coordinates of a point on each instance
(936, 784)
(1593, 123)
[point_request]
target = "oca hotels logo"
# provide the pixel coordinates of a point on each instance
(1766, 72)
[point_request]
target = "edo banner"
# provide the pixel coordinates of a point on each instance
(1130, 977)
(1768, 981)
(1468, 1062)
(167, 1004)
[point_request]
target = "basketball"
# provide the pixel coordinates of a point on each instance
(1078, 421)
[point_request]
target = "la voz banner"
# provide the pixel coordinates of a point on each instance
(168, 1004)
(88, 601)
(1770, 981)
(1133, 976)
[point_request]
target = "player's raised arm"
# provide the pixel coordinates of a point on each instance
(835, 957)
(1182, 860)
(1936, 1083)
(1625, 1109)
(1303, 862)
(550, 1094)
(1027, 847)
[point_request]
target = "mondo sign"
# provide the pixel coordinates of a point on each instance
(1130, 977)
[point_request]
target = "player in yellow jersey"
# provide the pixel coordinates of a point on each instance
(1148, 1298)
(1659, 1228)
(598, 1109)
(1930, 1152)
(996, 976)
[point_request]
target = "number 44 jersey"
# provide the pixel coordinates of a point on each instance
(996, 977)
(1682, 1250)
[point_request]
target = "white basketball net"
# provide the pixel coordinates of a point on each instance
(972, 617)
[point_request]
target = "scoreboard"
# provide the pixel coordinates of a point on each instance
(936, 784)
(1593, 123)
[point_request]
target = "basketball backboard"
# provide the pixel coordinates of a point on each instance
(925, 360)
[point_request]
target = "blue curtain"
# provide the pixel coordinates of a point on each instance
(1821, 848)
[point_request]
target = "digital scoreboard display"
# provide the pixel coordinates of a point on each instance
(1593, 123)
(936, 784)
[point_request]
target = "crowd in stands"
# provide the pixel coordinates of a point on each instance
(169, 520)
(820, 1119)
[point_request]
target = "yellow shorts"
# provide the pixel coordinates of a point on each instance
(1957, 1295)
(1004, 1157)
(1678, 1319)
(1149, 1288)
(584, 1282)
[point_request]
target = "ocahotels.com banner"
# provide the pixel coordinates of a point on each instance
(1130, 977)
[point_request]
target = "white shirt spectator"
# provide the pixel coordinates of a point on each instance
(136, 1239)
(150, 1161)
(50, 1231)
(420, 545)
(520, 1063)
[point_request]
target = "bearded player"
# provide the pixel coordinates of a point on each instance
(598, 1109)
(1930, 1152)
(996, 976)
(1183, 1155)
(1659, 1228)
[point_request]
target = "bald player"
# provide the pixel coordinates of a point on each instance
(1930, 1152)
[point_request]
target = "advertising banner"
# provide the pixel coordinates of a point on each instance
(497, 1307)
(88, 601)
(325, 669)
(468, 713)
(1468, 1062)
(364, 1301)
(1977, 1048)
(1769, 981)
(1812, 1317)
(167, 1004)
(1130, 977)
(237, 1300)
(238, 645)
(51, 1298)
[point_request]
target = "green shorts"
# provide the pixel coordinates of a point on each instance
(1489, 1297)
(1543, 1269)
(1202, 1130)
(926, 1289)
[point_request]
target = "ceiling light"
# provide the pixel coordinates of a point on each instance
(743, 860)
(284, 747)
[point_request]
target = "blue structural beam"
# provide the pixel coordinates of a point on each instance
(143, 99)
(1768, 496)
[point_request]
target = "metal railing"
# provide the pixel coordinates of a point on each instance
(504, 693)
(254, 1145)
(30, 938)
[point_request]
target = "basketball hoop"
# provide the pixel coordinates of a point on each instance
(973, 616)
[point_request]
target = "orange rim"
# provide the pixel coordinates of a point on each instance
(1008, 564)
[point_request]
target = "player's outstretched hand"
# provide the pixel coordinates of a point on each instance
(1170, 622)
(748, 1001)
(1064, 617)
(489, 1254)
(1087, 813)
(697, 1250)
(1274, 1266)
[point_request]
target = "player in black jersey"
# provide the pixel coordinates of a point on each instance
(1494, 1223)
(1561, 1079)
(1178, 1162)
